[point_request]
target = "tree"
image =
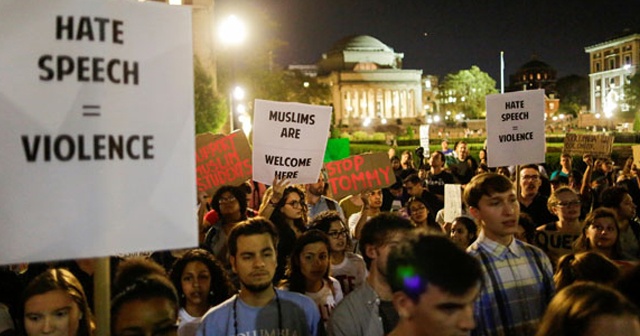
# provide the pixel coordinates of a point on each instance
(254, 67)
(465, 92)
(632, 99)
(573, 92)
(210, 108)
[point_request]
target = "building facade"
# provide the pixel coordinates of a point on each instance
(368, 85)
(611, 64)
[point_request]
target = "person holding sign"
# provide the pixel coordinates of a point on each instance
(371, 204)
(556, 238)
(316, 201)
(230, 205)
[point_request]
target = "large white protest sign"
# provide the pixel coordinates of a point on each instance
(289, 141)
(515, 128)
(96, 129)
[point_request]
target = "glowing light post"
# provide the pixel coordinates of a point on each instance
(232, 32)
(236, 95)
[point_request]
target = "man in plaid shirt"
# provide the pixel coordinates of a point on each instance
(518, 277)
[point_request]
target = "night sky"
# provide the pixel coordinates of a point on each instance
(440, 36)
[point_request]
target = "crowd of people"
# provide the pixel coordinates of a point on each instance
(532, 253)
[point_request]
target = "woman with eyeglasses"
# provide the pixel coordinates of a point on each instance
(290, 217)
(600, 233)
(229, 205)
(419, 214)
(346, 267)
(556, 238)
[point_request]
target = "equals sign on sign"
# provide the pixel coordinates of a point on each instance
(90, 110)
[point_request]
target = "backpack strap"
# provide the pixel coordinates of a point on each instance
(331, 205)
(545, 279)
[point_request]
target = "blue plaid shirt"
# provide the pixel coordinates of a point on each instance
(517, 286)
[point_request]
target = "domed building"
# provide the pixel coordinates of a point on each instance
(368, 84)
(534, 75)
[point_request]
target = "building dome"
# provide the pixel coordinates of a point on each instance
(357, 53)
(360, 43)
(534, 74)
(535, 64)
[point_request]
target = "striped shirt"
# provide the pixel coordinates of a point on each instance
(517, 286)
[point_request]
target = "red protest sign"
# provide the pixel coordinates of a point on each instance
(358, 173)
(222, 160)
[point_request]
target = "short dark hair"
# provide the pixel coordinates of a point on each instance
(469, 224)
(133, 268)
(530, 166)
(458, 143)
(141, 279)
(612, 197)
(220, 286)
(431, 260)
(144, 288)
(438, 152)
(412, 178)
(377, 229)
(249, 227)
(485, 185)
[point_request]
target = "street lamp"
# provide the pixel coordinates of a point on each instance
(236, 95)
(232, 32)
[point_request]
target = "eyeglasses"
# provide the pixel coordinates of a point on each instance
(568, 204)
(600, 228)
(226, 200)
(295, 204)
(416, 209)
(337, 234)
